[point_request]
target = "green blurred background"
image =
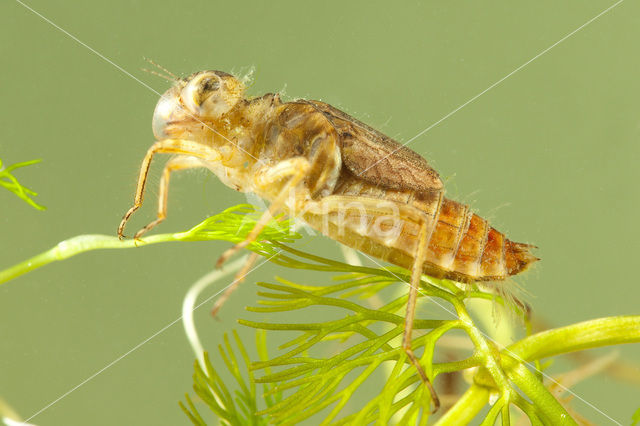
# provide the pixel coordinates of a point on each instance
(550, 155)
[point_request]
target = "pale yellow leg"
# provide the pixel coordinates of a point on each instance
(295, 169)
(167, 146)
(373, 207)
(239, 278)
(414, 286)
(175, 164)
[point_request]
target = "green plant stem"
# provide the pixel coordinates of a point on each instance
(494, 411)
(584, 335)
(80, 244)
(486, 351)
(467, 407)
(576, 337)
(232, 225)
(546, 405)
(528, 409)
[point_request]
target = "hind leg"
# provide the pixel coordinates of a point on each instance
(376, 208)
(414, 286)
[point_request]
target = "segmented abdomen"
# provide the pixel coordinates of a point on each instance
(467, 248)
(462, 245)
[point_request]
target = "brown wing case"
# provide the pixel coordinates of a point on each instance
(378, 159)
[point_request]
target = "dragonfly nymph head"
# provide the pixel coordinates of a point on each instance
(200, 99)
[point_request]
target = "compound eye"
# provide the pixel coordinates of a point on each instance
(210, 84)
(202, 95)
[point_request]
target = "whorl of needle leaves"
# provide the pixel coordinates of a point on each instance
(8, 181)
(296, 385)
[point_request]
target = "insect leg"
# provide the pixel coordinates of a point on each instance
(414, 286)
(375, 207)
(178, 163)
(167, 146)
(239, 278)
(295, 169)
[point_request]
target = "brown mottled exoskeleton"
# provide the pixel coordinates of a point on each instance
(313, 161)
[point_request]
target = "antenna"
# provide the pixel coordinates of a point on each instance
(172, 77)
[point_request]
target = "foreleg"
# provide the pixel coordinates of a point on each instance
(167, 146)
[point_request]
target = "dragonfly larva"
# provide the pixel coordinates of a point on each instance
(345, 179)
